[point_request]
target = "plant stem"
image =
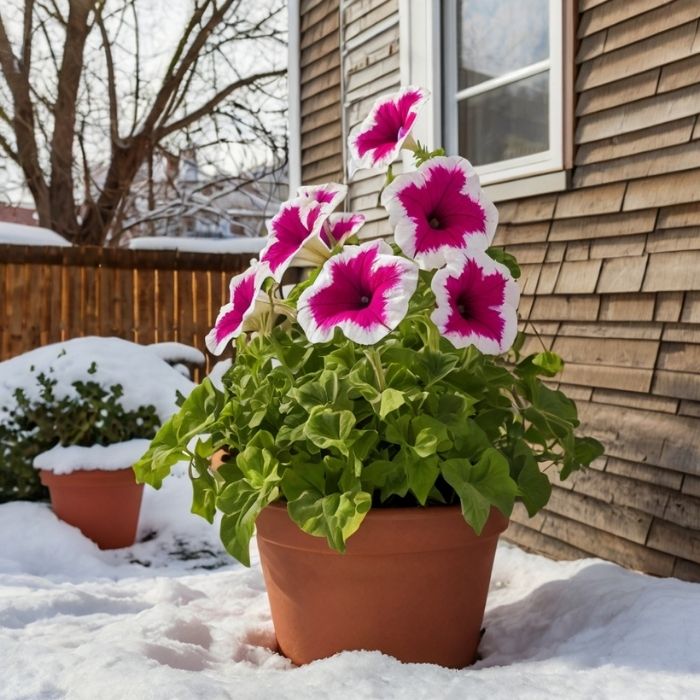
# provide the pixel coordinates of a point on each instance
(376, 362)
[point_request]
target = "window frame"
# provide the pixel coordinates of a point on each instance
(523, 166)
(424, 62)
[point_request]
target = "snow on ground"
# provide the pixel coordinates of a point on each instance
(173, 617)
(20, 234)
(144, 376)
(65, 460)
(240, 244)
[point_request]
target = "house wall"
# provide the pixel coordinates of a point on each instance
(321, 102)
(611, 272)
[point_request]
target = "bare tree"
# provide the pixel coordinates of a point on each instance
(91, 90)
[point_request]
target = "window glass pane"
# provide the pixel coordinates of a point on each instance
(507, 122)
(498, 36)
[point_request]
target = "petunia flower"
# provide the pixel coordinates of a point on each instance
(440, 209)
(477, 301)
(377, 141)
(294, 236)
(239, 314)
(339, 227)
(364, 291)
(330, 194)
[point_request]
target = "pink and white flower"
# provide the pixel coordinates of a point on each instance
(377, 141)
(440, 209)
(294, 236)
(330, 194)
(339, 227)
(364, 291)
(477, 301)
(239, 315)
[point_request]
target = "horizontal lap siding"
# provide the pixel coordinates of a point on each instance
(321, 105)
(611, 282)
(610, 268)
(370, 69)
(48, 295)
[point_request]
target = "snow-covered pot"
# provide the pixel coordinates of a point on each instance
(104, 505)
(412, 584)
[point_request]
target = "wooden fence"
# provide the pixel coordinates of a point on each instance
(52, 294)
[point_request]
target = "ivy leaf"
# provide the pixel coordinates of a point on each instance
(500, 255)
(335, 516)
(434, 366)
(475, 506)
(549, 363)
(479, 486)
(241, 501)
(390, 401)
(327, 429)
(203, 489)
(533, 486)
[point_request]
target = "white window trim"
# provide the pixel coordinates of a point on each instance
(421, 64)
(294, 90)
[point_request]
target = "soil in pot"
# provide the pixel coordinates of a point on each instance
(412, 583)
(104, 505)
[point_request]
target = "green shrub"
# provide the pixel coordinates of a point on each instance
(93, 416)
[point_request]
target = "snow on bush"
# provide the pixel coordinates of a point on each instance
(65, 460)
(144, 376)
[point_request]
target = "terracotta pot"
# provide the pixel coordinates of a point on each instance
(103, 504)
(412, 584)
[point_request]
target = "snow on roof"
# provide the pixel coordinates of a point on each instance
(19, 234)
(106, 458)
(240, 244)
(173, 353)
(144, 376)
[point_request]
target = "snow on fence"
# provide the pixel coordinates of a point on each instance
(49, 294)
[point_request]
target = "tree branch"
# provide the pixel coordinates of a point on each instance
(62, 198)
(211, 104)
(23, 125)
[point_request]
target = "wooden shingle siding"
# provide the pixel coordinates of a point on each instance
(611, 267)
(612, 283)
(370, 69)
(321, 107)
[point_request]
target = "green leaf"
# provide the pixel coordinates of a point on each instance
(475, 506)
(486, 483)
(328, 429)
(500, 255)
(336, 516)
(241, 501)
(533, 487)
(203, 490)
(434, 366)
(390, 401)
(549, 363)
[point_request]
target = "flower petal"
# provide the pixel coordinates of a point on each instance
(327, 196)
(377, 141)
(339, 227)
(231, 321)
(294, 228)
(476, 303)
(364, 291)
(439, 209)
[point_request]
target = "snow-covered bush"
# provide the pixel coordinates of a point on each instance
(92, 415)
(82, 374)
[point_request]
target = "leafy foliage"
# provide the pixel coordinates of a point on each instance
(93, 415)
(337, 428)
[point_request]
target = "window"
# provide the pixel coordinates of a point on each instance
(502, 85)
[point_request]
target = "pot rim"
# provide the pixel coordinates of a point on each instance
(385, 531)
(101, 476)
